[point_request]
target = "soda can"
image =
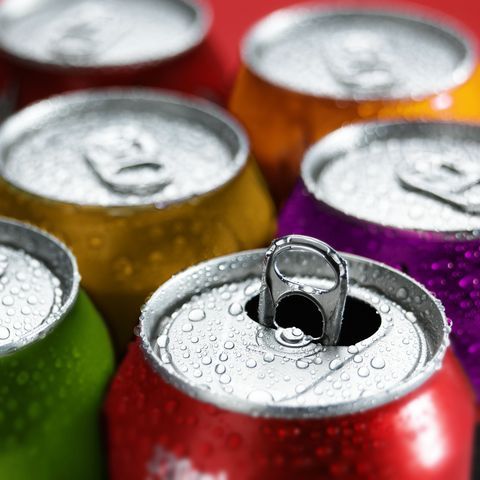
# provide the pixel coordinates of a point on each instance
(293, 362)
(140, 184)
(61, 46)
(406, 194)
(55, 362)
(308, 70)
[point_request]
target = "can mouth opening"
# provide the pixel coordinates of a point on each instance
(360, 320)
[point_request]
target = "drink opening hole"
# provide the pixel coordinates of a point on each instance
(360, 320)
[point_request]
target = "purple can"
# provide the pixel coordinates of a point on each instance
(407, 194)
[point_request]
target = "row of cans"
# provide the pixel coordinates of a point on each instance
(294, 362)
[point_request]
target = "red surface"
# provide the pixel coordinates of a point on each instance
(157, 432)
(233, 18)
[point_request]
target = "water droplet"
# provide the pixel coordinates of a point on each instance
(196, 315)
(377, 362)
(8, 301)
(335, 364)
(207, 360)
(363, 372)
(235, 309)
(162, 341)
(352, 349)
(229, 345)
(402, 293)
(302, 364)
(268, 357)
(220, 369)
(4, 333)
(251, 363)
(223, 357)
(187, 327)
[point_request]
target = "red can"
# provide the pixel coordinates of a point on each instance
(312, 367)
(57, 46)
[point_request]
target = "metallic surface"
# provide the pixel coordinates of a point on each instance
(126, 243)
(357, 54)
(55, 362)
(219, 397)
(423, 234)
(100, 34)
(283, 116)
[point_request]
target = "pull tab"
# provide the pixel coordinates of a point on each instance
(449, 179)
(126, 159)
(83, 31)
(362, 61)
(276, 286)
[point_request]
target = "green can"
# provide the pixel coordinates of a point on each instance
(55, 362)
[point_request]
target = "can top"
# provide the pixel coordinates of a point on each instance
(358, 54)
(39, 283)
(307, 336)
(100, 34)
(118, 147)
(420, 176)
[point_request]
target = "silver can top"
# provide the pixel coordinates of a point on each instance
(39, 283)
(100, 34)
(358, 54)
(117, 147)
(308, 334)
(412, 176)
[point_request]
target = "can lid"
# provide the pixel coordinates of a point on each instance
(421, 176)
(118, 147)
(358, 54)
(100, 34)
(39, 283)
(302, 336)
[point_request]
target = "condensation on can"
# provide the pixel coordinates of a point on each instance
(406, 194)
(308, 70)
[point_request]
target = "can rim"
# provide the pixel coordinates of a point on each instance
(203, 22)
(148, 316)
(313, 158)
(44, 328)
(14, 126)
(421, 15)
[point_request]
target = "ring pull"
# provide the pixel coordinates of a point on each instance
(127, 160)
(446, 178)
(276, 286)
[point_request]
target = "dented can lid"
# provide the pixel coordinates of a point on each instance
(39, 283)
(116, 147)
(295, 331)
(419, 176)
(100, 34)
(358, 53)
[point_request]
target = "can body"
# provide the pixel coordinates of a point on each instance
(156, 431)
(448, 268)
(198, 72)
(51, 396)
(282, 120)
(123, 254)
(124, 250)
(95, 44)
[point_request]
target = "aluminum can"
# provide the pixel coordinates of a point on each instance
(55, 362)
(406, 194)
(308, 70)
(293, 362)
(140, 184)
(57, 46)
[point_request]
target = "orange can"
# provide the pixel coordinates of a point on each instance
(308, 70)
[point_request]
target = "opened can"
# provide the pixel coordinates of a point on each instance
(55, 362)
(314, 365)
(57, 46)
(140, 184)
(406, 194)
(308, 70)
